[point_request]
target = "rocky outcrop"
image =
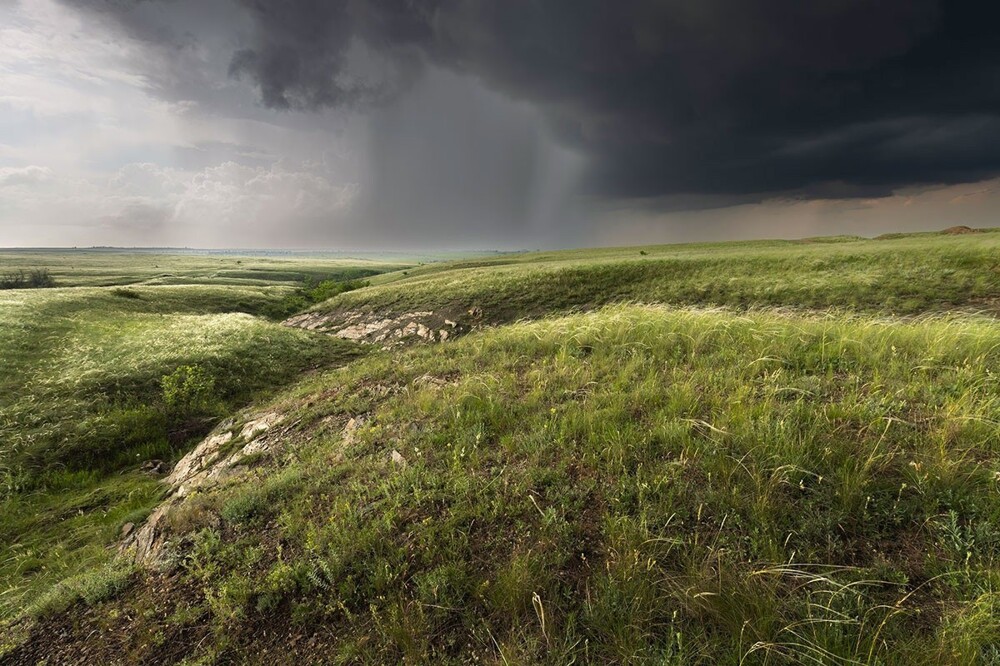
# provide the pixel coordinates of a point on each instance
(425, 326)
(217, 457)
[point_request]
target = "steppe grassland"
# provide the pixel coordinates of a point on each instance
(634, 485)
(908, 274)
(803, 476)
(81, 407)
(115, 267)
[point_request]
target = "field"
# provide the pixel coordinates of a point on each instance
(744, 453)
(101, 267)
(81, 403)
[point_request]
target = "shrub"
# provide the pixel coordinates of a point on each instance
(123, 292)
(188, 390)
(13, 280)
(40, 277)
(35, 279)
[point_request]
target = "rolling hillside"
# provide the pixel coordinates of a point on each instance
(745, 453)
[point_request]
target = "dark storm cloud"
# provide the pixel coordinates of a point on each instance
(710, 97)
(717, 97)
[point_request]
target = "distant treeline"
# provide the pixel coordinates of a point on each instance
(36, 278)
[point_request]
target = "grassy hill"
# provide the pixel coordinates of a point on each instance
(83, 408)
(808, 474)
(906, 274)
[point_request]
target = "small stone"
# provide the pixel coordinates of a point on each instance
(127, 529)
(350, 430)
(398, 458)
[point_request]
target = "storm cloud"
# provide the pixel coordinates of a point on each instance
(715, 97)
(467, 123)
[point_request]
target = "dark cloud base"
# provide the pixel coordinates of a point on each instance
(717, 97)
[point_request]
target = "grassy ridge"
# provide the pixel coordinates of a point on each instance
(905, 275)
(634, 485)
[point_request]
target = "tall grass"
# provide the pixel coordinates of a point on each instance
(906, 275)
(83, 404)
(634, 485)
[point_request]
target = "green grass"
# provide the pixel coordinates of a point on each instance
(905, 275)
(110, 267)
(801, 476)
(82, 407)
(635, 485)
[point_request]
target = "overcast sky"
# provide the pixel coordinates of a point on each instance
(452, 124)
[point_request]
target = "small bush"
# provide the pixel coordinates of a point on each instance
(13, 280)
(40, 277)
(188, 390)
(122, 292)
(36, 278)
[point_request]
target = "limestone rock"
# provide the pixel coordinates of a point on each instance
(206, 464)
(422, 325)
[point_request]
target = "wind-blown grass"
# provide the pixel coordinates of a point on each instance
(799, 476)
(635, 485)
(904, 275)
(82, 408)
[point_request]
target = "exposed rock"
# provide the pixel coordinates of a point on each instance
(424, 325)
(253, 428)
(196, 463)
(431, 380)
(127, 529)
(398, 459)
(146, 546)
(155, 467)
(207, 464)
(351, 429)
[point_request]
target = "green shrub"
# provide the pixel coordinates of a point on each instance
(124, 292)
(36, 278)
(188, 390)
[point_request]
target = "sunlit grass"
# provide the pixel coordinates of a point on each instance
(771, 466)
(81, 409)
(635, 485)
(905, 275)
